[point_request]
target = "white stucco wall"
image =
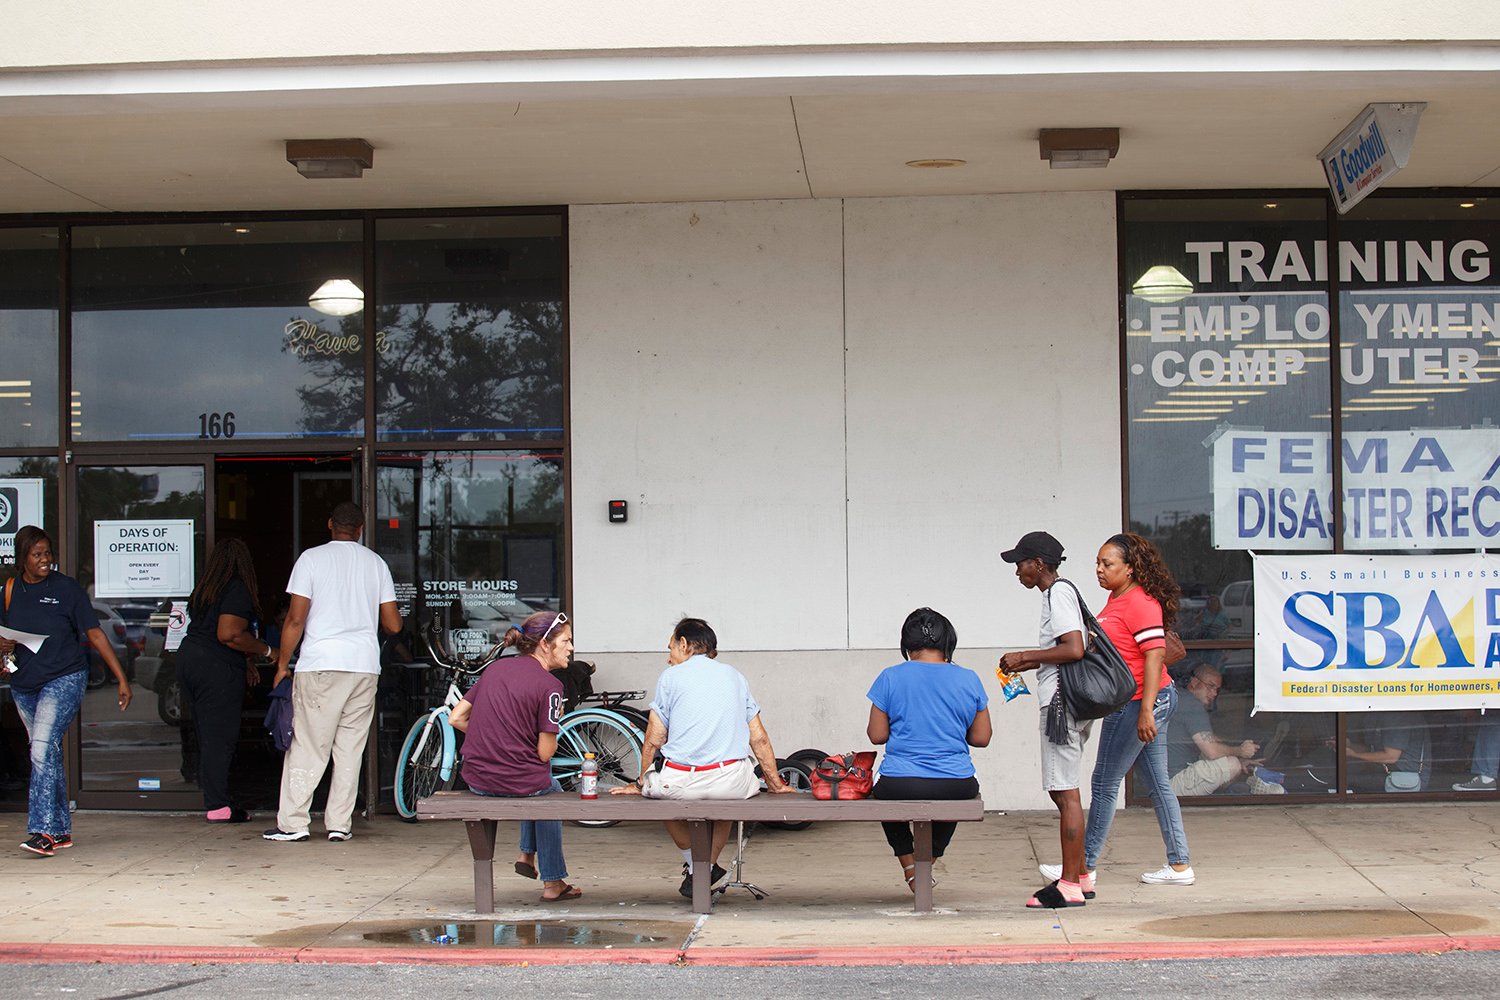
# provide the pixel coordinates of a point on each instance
(825, 414)
(104, 32)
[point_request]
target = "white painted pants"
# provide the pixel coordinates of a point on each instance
(331, 712)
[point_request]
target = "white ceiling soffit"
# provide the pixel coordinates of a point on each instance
(726, 127)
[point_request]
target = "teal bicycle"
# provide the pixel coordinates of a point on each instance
(430, 757)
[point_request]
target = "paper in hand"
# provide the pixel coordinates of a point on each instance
(30, 640)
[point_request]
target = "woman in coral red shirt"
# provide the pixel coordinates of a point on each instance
(1142, 604)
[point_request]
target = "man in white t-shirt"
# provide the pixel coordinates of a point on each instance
(342, 595)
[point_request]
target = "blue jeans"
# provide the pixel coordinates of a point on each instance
(47, 713)
(1487, 745)
(542, 837)
(1120, 749)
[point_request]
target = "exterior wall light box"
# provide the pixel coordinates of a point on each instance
(1074, 148)
(326, 159)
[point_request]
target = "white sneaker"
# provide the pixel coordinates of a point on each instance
(1167, 875)
(1054, 872)
(1261, 787)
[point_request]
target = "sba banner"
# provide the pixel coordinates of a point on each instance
(1353, 633)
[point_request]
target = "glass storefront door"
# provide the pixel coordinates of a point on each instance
(139, 537)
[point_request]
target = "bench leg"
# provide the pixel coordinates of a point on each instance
(482, 845)
(921, 835)
(700, 833)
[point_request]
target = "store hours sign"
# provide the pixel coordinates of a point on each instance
(148, 559)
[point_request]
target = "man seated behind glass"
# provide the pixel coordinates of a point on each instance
(1200, 763)
(707, 727)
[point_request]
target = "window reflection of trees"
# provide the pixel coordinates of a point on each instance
(446, 371)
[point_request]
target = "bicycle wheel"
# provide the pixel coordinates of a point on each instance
(796, 773)
(419, 771)
(614, 742)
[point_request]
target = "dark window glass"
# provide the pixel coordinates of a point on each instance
(28, 495)
(1419, 305)
(469, 319)
(474, 540)
(205, 331)
(1227, 396)
(28, 331)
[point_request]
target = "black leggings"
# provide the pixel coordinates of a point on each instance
(898, 835)
(214, 693)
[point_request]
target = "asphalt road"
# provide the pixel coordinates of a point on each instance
(1408, 977)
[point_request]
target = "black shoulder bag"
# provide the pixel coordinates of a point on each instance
(1101, 682)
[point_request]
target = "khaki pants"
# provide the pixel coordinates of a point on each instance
(1204, 777)
(331, 712)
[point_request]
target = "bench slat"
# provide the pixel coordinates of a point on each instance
(763, 808)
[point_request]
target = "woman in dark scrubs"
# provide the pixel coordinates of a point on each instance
(213, 669)
(48, 684)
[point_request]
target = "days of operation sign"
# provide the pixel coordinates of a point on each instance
(143, 558)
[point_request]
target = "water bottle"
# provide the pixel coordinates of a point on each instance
(588, 785)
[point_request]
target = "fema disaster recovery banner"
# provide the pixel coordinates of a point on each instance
(1351, 633)
(1415, 489)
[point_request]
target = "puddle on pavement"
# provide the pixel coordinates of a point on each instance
(489, 934)
(1310, 924)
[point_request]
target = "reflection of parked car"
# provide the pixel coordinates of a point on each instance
(155, 671)
(498, 620)
(116, 631)
(137, 624)
(1238, 599)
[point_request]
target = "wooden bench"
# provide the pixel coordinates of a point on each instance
(481, 814)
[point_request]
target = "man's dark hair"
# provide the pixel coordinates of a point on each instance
(699, 635)
(926, 629)
(348, 515)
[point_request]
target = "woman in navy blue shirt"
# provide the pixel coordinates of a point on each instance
(48, 684)
(927, 712)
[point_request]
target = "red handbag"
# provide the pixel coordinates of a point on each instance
(844, 776)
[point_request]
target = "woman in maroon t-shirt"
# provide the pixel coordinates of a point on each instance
(510, 719)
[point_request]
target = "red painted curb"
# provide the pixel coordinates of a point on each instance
(991, 954)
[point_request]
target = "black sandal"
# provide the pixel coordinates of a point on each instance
(1049, 897)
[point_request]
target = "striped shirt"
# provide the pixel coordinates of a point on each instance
(1133, 623)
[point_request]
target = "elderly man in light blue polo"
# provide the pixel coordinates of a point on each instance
(706, 725)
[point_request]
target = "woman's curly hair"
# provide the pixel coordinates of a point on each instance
(1150, 572)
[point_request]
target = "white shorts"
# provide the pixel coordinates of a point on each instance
(1062, 762)
(732, 781)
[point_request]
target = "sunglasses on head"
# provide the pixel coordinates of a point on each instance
(561, 619)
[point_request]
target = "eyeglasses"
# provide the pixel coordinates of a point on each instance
(561, 619)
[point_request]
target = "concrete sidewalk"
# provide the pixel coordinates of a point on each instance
(1271, 880)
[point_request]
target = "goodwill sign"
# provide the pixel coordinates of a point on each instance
(1351, 633)
(1414, 489)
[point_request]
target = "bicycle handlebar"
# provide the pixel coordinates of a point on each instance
(433, 640)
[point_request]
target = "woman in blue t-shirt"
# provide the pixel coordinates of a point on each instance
(927, 712)
(48, 684)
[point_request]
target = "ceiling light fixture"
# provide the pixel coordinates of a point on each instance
(1162, 283)
(1075, 148)
(937, 162)
(337, 297)
(326, 159)
(1466, 204)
